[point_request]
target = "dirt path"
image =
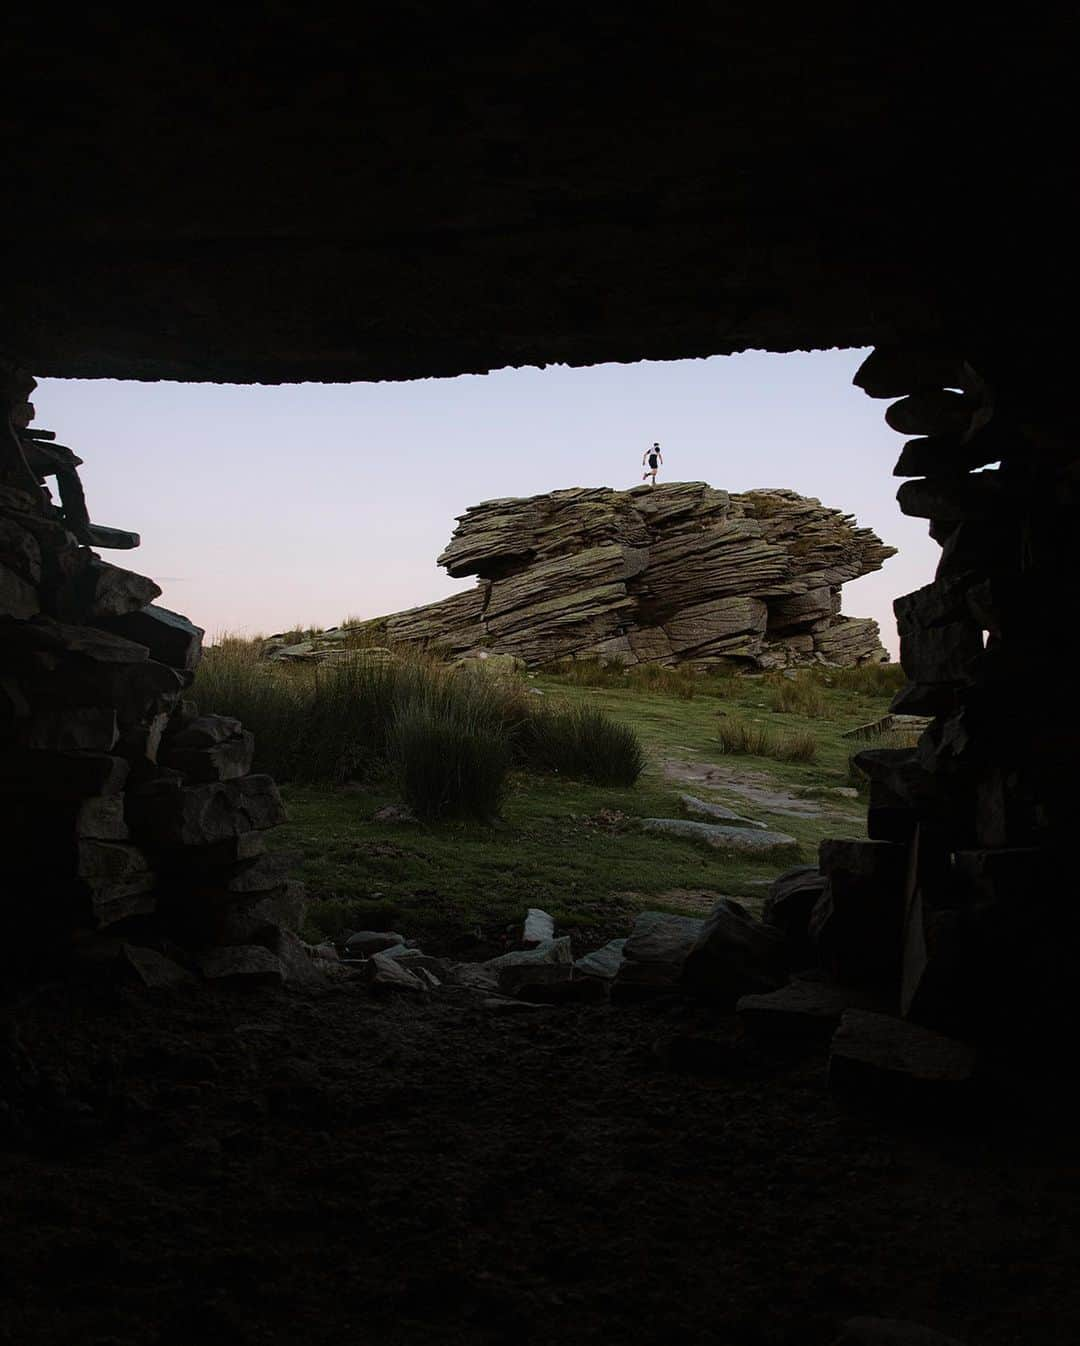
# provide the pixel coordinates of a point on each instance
(284, 1168)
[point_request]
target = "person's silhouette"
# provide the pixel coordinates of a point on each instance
(651, 459)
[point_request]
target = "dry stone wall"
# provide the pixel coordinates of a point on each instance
(678, 573)
(122, 807)
(957, 907)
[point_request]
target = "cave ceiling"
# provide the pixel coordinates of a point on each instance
(459, 189)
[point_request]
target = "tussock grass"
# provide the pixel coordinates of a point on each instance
(447, 736)
(749, 738)
(449, 758)
(584, 744)
(867, 679)
(797, 696)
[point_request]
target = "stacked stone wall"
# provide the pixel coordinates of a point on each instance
(123, 809)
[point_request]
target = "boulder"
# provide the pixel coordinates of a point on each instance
(656, 950)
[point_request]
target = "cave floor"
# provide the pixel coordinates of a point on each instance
(318, 1167)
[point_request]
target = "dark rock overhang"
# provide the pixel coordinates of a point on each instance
(461, 188)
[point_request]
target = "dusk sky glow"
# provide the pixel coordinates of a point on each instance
(263, 508)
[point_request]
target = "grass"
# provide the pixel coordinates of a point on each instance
(449, 760)
(681, 681)
(797, 696)
(753, 738)
(567, 844)
(869, 680)
(572, 846)
(584, 744)
(447, 737)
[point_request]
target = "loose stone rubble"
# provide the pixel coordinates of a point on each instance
(125, 811)
(677, 574)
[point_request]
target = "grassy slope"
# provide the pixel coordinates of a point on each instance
(551, 850)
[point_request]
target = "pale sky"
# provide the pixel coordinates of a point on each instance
(263, 508)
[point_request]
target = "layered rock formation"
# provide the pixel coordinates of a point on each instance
(679, 573)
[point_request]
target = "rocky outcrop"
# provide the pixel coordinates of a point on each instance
(679, 573)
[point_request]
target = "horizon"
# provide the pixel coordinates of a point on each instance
(299, 505)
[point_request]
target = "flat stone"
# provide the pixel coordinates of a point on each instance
(551, 951)
(725, 837)
(243, 965)
(105, 590)
(365, 943)
(111, 539)
(875, 1052)
(117, 878)
(802, 1009)
(976, 495)
(473, 976)
(413, 959)
(891, 1332)
(169, 636)
(197, 815)
(932, 411)
(604, 962)
(703, 809)
(224, 761)
(894, 371)
(388, 974)
(205, 731)
(100, 647)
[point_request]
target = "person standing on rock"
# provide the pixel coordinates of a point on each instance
(651, 459)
